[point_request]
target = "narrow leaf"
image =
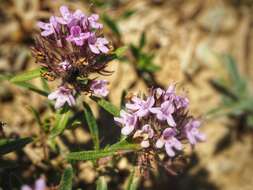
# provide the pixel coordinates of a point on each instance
(127, 14)
(232, 68)
(133, 181)
(9, 145)
(60, 124)
(31, 87)
(142, 41)
(101, 183)
(36, 115)
(107, 106)
(66, 180)
(92, 124)
(121, 51)
(26, 76)
(123, 145)
(95, 154)
(111, 24)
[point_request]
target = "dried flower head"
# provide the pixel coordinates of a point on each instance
(160, 122)
(71, 47)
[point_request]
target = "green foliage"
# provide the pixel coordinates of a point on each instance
(143, 60)
(32, 87)
(237, 99)
(66, 180)
(26, 76)
(112, 24)
(92, 124)
(109, 151)
(101, 183)
(106, 105)
(133, 181)
(36, 115)
(62, 118)
(128, 13)
(120, 51)
(10, 145)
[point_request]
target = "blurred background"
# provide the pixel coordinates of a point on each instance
(205, 46)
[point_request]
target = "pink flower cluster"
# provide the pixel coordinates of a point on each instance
(69, 48)
(160, 120)
(76, 28)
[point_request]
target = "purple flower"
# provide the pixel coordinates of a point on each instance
(26, 187)
(181, 102)
(98, 45)
(170, 141)
(65, 65)
(170, 92)
(99, 87)
(165, 113)
(77, 36)
(40, 184)
(146, 132)
(69, 18)
(62, 95)
(93, 22)
(192, 132)
(141, 107)
(129, 122)
(49, 28)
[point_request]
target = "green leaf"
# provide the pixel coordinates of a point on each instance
(142, 41)
(133, 181)
(123, 145)
(223, 89)
(234, 107)
(90, 154)
(135, 51)
(61, 123)
(107, 106)
(232, 68)
(110, 151)
(152, 68)
(101, 183)
(121, 51)
(111, 24)
(127, 14)
(31, 87)
(36, 115)
(26, 76)
(66, 180)
(9, 145)
(45, 85)
(92, 124)
(238, 83)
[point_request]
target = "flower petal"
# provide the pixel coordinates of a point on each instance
(169, 150)
(159, 143)
(127, 130)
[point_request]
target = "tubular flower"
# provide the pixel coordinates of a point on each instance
(62, 95)
(71, 47)
(160, 120)
(98, 87)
